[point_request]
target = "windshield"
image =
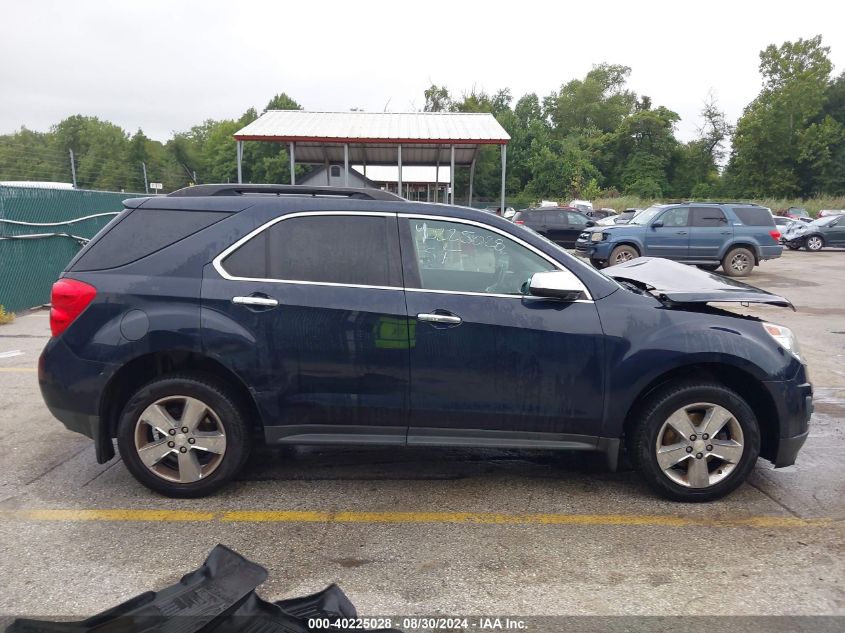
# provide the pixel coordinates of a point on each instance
(644, 217)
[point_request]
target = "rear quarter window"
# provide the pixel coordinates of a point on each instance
(139, 233)
(754, 216)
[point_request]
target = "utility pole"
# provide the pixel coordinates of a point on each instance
(72, 168)
(146, 185)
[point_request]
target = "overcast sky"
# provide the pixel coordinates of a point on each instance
(164, 66)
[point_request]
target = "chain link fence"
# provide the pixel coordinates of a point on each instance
(41, 229)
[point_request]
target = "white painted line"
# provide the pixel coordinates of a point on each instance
(11, 354)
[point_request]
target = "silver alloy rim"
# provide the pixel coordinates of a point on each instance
(180, 439)
(814, 243)
(623, 256)
(739, 262)
(699, 445)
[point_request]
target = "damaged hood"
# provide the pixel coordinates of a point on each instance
(680, 283)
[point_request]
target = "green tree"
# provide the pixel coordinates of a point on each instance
(437, 99)
(775, 150)
(598, 102)
(646, 152)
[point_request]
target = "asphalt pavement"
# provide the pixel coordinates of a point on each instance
(433, 531)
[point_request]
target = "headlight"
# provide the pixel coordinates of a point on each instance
(785, 338)
(597, 237)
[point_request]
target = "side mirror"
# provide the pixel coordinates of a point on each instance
(556, 284)
(590, 223)
(657, 224)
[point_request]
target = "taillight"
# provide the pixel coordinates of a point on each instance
(69, 298)
(775, 234)
(519, 221)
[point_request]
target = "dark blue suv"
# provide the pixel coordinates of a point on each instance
(734, 235)
(197, 324)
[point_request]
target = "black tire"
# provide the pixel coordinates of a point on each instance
(710, 267)
(793, 246)
(649, 421)
(227, 417)
(739, 262)
(814, 243)
(622, 253)
(598, 264)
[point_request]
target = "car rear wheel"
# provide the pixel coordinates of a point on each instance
(793, 246)
(622, 254)
(695, 442)
(183, 436)
(598, 264)
(814, 243)
(739, 262)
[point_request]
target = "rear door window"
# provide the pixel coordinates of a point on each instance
(556, 217)
(708, 216)
(339, 249)
(754, 216)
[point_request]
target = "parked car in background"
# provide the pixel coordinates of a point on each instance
(827, 231)
(783, 223)
(582, 205)
(824, 213)
(797, 213)
(734, 235)
(622, 218)
(600, 214)
(199, 324)
(562, 225)
(508, 214)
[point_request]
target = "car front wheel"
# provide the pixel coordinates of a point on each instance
(814, 243)
(695, 442)
(183, 436)
(622, 254)
(739, 262)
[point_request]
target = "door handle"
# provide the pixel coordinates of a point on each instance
(264, 302)
(681, 233)
(726, 232)
(439, 318)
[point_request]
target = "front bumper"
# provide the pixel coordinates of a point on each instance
(72, 388)
(794, 404)
(593, 250)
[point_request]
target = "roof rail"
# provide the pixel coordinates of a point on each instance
(284, 190)
(747, 204)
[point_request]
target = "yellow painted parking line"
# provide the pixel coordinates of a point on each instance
(465, 518)
(18, 370)
(105, 515)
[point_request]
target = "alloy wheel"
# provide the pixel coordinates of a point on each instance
(623, 256)
(180, 439)
(699, 445)
(815, 243)
(740, 262)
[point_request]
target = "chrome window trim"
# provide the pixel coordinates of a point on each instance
(217, 262)
(535, 250)
(218, 266)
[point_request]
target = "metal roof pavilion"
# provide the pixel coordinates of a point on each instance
(379, 138)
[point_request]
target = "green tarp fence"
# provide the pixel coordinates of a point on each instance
(41, 229)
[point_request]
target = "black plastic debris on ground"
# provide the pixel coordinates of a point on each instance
(219, 596)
